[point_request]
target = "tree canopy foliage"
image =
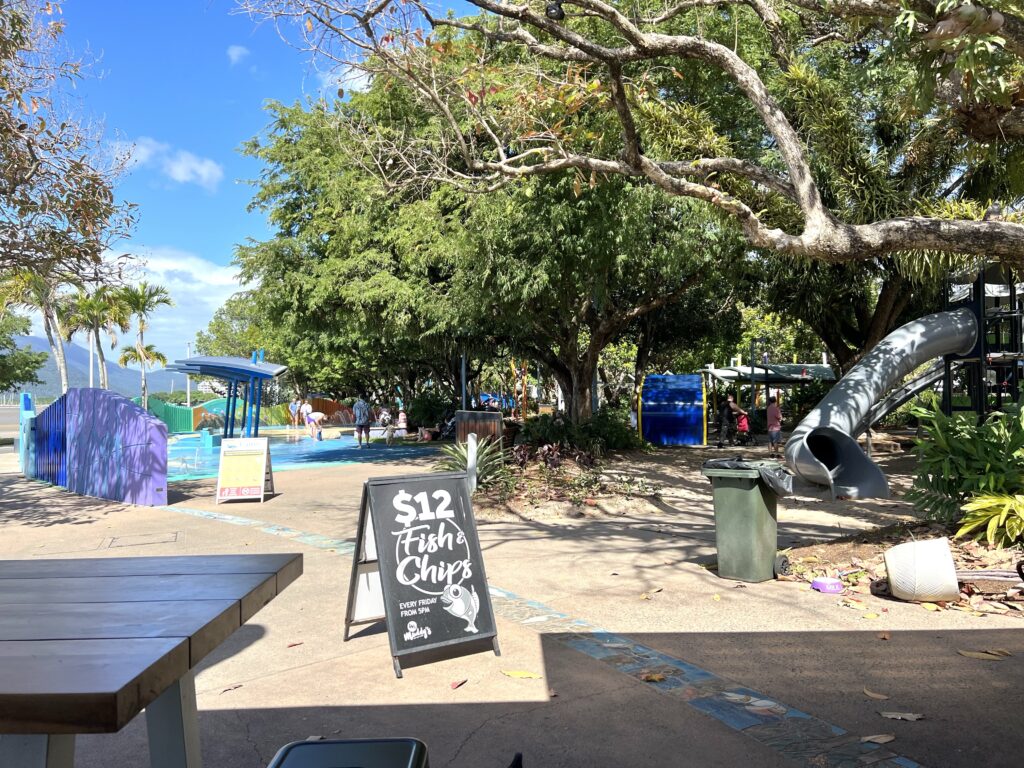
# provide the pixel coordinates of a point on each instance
(58, 213)
(365, 287)
(839, 132)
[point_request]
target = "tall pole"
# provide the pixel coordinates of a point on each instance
(463, 381)
(752, 404)
(188, 379)
(92, 350)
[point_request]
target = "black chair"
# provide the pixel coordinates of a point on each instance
(353, 753)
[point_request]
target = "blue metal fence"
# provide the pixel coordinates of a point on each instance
(51, 443)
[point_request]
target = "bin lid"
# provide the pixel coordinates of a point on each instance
(750, 474)
(769, 472)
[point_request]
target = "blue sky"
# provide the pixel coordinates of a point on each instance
(185, 83)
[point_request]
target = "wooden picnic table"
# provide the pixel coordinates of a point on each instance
(87, 644)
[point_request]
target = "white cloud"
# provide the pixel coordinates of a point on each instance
(184, 167)
(179, 165)
(236, 53)
(347, 77)
(198, 286)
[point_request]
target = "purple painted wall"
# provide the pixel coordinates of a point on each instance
(115, 450)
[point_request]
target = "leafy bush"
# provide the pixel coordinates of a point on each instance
(427, 409)
(490, 460)
(958, 458)
(996, 517)
(607, 431)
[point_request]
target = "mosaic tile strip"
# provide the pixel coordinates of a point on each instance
(341, 546)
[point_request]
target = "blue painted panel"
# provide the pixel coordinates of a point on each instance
(673, 410)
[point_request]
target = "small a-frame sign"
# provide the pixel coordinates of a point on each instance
(417, 565)
(245, 471)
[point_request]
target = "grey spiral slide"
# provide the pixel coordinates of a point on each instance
(823, 449)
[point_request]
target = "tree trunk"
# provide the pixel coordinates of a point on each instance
(141, 348)
(52, 329)
(101, 358)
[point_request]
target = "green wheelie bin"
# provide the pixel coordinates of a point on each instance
(745, 521)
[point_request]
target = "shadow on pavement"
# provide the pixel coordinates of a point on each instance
(767, 699)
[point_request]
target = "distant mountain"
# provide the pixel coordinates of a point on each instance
(123, 380)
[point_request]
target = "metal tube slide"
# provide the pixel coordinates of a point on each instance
(822, 449)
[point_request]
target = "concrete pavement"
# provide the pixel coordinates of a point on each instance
(568, 598)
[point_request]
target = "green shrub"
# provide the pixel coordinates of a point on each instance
(608, 430)
(490, 460)
(427, 409)
(958, 458)
(995, 517)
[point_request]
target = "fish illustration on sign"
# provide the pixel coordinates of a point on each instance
(462, 603)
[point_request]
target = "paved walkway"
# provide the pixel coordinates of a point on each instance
(769, 674)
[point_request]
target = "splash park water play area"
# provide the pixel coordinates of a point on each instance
(197, 456)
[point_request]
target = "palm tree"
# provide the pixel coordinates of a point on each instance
(96, 313)
(147, 359)
(35, 291)
(141, 301)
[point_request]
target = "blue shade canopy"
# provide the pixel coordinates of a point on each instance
(230, 368)
(235, 371)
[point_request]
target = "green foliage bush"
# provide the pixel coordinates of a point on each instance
(607, 430)
(427, 408)
(490, 461)
(996, 517)
(960, 458)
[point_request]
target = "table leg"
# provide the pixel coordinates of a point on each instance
(37, 751)
(174, 727)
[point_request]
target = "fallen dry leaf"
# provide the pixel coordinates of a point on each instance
(652, 677)
(983, 655)
(930, 607)
(457, 684)
(876, 696)
(902, 715)
(644, 596)
(870, 616)
(292, 645)
(717, 597)
(656, 590)
(884, 636)
(998, 651)
(521, 674)
(880, 738)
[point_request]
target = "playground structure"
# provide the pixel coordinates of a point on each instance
(678, 409)
(976, 346)
(96, 443)
(244, 378)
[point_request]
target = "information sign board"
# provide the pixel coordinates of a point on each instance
(245, 471)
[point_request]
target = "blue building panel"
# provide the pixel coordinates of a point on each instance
(672, 410)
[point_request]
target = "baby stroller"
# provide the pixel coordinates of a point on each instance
(743, 434)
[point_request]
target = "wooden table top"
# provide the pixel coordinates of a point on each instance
(86, 644)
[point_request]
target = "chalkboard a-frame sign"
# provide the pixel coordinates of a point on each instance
(417, 565)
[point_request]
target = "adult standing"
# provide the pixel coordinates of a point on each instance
(304, 410)
(293, 409)
(361, 417)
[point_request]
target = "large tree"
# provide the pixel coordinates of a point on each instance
(18, 365)
(58, 213)
(696, 97)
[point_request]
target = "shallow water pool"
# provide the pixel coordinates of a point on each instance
(188, 460)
